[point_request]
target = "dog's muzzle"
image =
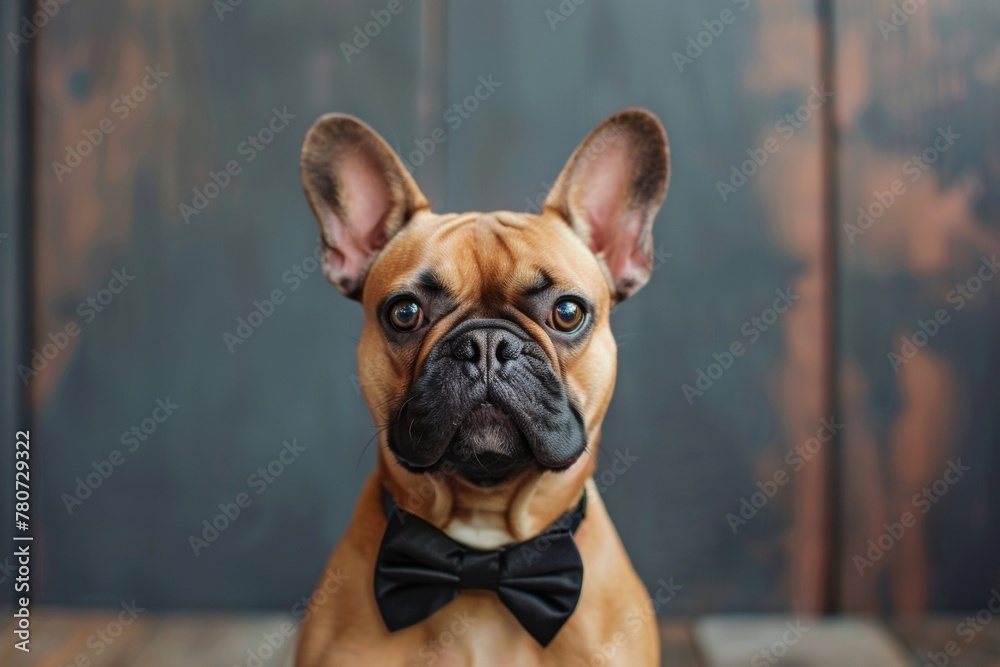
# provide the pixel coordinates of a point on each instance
(489, 403)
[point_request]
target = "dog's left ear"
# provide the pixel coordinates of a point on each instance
(360, 192)
(610, 190)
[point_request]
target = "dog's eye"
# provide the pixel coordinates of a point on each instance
(405, 315)
(567, 315)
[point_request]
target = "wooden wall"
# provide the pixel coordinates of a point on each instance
(918, 115)
(814, 104)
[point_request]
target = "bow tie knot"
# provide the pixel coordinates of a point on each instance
(420, 569)
(480, 569)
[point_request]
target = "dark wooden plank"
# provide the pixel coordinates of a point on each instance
(971, 640)
(914, 232)
(785, 77)
(736, 641)
(163, 335)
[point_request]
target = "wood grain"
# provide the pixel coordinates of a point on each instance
(954, 640)
(162, 336)
(719, 263)
(917, 104)
(721, 260)
(801, 641)
(78, 637)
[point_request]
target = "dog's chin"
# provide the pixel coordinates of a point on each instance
(487, 450)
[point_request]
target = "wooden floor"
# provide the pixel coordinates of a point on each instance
(65, 638)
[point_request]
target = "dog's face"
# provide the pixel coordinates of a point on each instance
(487, 353)
(487, 345)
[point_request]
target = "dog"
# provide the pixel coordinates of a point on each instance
(487, 362)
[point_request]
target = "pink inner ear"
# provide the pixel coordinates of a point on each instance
(367, 200)
(614, 231)
(627, 260)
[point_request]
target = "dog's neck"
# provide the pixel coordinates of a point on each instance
(488, 518)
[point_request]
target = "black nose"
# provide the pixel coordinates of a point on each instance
(487, 347)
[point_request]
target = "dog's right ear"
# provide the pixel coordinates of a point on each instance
(360, 192)
(609, 193)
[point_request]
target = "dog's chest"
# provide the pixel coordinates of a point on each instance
(476, 630)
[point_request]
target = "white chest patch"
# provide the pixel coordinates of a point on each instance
(480, 531)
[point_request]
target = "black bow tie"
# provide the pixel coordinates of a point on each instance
(420, 570)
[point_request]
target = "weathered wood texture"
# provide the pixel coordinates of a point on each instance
(918, 105)
(727, 453)
(98, 638)
(801, 641)
(194, 280)
(970, 640)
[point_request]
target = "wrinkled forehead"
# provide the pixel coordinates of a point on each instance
(486, 258)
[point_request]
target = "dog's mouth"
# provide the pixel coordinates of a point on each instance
(487, 448)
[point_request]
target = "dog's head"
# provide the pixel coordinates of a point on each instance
(487, 355)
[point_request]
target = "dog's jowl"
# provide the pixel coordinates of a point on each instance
(487, 362)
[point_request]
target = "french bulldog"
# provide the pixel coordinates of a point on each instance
(487, 362)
